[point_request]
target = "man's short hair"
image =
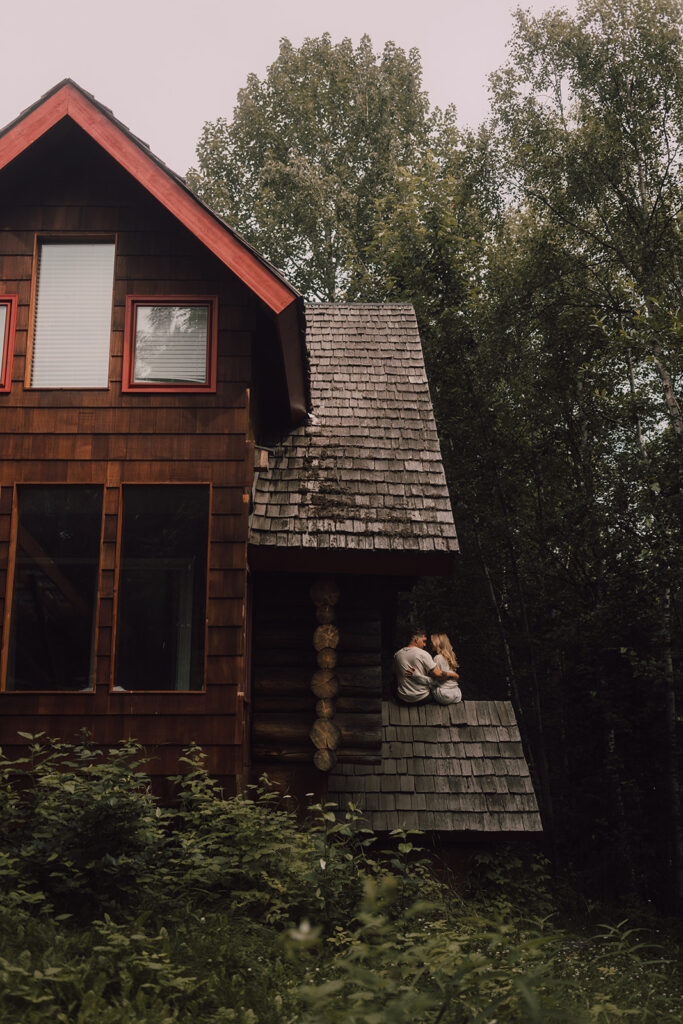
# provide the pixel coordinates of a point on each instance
(415, 632)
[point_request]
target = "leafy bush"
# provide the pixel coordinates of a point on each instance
(86, 829)
(116, 911)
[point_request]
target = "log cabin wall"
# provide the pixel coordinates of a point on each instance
(65, 185)
(284, 662)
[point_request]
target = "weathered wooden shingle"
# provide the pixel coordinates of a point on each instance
(454, 769)
(365, 473)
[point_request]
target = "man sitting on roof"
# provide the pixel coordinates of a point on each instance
(420, 681)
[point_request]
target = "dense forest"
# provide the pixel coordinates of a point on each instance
(543, 253)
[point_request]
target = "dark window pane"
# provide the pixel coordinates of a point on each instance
(162, 588)
(55, 588)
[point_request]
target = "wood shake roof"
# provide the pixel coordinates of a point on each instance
(365, 474)
(449, 769)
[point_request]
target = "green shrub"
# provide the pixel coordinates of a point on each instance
(86, 830)
(115, 911)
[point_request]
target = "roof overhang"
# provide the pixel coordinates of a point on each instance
(268, 558)
(282, 301)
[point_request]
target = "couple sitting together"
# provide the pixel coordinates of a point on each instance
(422, 679)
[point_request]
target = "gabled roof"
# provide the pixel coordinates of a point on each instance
(365, 474)
(459, 769)
(281, 299)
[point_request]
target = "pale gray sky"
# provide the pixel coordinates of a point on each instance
(166, 66)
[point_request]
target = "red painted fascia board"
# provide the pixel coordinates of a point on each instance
(69, 102)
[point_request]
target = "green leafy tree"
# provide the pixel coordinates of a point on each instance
(591, 110)
(310, 149)
(542, 257)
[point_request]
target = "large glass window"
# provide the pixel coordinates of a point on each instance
(170, 344)
(8, 305)
(73, 309)
(55, 587)
(162, 588)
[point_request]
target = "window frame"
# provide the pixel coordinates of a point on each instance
(129, 386)
(117, 573)
(66, 238)
(9, 595)
(7, 357)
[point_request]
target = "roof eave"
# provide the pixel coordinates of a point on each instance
(410, 563)
(283, 301)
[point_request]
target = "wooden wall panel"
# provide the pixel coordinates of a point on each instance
(103, 437)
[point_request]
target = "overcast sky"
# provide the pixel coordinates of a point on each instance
(165, 66)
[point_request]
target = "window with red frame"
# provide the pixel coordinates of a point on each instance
(8, 308)
(170, 344)
(161, 614)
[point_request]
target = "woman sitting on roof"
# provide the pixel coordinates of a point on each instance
(448, 692)
(420, 678)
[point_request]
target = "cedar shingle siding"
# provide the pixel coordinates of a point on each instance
(366, 472)
(454, 769)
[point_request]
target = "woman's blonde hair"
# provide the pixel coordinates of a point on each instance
(442, 645)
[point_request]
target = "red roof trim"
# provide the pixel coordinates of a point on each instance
(68, 101)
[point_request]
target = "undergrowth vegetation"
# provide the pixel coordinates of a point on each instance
(114, 910)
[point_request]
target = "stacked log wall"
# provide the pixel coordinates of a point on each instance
(285, 662)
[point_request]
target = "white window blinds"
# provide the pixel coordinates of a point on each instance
(171, 344)
(73, 315)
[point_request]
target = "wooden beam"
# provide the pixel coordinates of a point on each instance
(266, 558)
(30, 545)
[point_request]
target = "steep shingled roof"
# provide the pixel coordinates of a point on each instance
(451, 769)
(366, 472)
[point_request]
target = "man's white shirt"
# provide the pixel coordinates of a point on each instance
(420, 684)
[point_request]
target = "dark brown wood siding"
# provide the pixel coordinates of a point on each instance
(65, 184)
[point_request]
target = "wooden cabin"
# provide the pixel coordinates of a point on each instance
(210, 493)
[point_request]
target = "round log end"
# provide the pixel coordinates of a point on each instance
(325, 683)
(325, 708)
(324, 760)
(326, 636)
(325, 734)
(322, 675)
(325, 614)
(324, 591)
(327, 658)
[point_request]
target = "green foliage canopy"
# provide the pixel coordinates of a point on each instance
(310, 149)
(543, 255)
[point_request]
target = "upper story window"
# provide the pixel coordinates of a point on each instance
(73, 309)
(170, 344)
(8, 307)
